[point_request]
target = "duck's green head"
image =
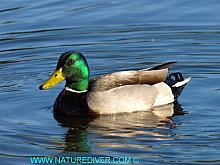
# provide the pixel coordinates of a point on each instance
(72, 66)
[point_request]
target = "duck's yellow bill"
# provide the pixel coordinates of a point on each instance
(54, 79)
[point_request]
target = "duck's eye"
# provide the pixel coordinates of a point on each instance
(56, 75)
(70, 62)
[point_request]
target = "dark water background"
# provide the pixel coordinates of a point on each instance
(113, 35)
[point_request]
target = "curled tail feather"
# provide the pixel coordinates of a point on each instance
(177, 83)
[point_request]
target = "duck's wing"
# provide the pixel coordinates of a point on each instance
(117, 79)
(161, 66)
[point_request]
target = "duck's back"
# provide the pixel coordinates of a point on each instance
(128, 91)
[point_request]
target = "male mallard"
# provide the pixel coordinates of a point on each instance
(123, 91)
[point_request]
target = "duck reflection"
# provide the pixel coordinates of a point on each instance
(107, 129)
(76, 136)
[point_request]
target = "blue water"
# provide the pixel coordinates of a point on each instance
(114, 35)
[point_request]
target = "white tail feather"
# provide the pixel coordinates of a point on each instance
(181, 83)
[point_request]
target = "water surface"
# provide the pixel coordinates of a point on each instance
(113, 36)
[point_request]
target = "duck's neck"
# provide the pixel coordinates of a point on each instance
(79, 86)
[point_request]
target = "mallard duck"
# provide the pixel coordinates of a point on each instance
(118, 92)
